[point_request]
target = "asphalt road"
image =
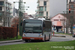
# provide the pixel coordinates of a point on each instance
(53, 39)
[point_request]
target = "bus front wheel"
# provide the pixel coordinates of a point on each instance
(26, 40)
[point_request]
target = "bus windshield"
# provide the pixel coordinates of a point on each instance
(33, 28)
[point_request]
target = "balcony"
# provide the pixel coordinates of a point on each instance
(37, 15)
(8, 11)
(10, 7)
(41, 10)
(40, 14)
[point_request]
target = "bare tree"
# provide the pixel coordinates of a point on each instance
(15, 22)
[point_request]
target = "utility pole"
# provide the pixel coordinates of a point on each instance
(21, 11)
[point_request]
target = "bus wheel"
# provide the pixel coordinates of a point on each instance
(26, 40)
(44, 38)
(49, 38)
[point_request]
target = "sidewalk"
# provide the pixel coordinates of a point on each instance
(59, 35)
(66, 36)
(11, 41)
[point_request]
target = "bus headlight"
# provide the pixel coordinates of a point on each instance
(23, 34)
(40, 35)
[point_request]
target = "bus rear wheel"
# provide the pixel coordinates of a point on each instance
(49, 38)
(44, 38)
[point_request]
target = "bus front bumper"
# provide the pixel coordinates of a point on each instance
(32, 38)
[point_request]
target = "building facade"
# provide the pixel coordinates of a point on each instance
(49, 8)
(5, 13)
(43, 8)
(59, 23)
(65, 22)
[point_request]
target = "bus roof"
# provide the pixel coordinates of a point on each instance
(39, 19)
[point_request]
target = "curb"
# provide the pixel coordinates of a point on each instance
(58, 36)
(11, 41)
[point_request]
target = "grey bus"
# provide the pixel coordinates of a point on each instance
(37, 30)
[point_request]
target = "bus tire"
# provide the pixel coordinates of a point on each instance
(44, 38)
(49, 38)
(26, 40)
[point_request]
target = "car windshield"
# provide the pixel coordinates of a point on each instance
(33, 28)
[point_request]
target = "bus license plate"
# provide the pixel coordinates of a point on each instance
(32, 38)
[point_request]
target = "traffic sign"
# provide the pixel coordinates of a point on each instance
(73, 27)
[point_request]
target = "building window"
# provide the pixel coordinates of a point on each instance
(45, 8)
(45, 3)
(1, 2)
(56, 19)
(46, 13)
(71, 6)
(0, 8)
(62, 19)
(41, 9)
(71, 17)
(41, 14)
(0, 18)
(72, 12)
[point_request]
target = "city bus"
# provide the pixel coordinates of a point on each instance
(34, 29)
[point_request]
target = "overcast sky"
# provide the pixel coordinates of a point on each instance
(31, 3)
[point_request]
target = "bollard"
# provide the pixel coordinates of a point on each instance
(53, 33)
